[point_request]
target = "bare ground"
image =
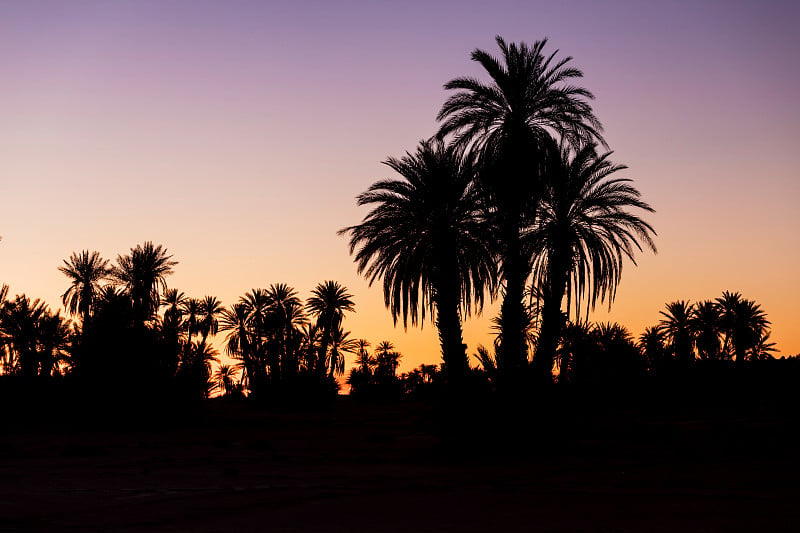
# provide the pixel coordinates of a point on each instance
(391, 468)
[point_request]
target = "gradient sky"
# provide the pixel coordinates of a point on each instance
(238, 133)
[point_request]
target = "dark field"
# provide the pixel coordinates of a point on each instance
(397, 468)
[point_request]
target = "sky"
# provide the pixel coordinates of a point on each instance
(237, 134)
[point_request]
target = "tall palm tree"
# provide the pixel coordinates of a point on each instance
(85, 270)
(328, 303)
(512, 123)
(584, 229)
(677, 328)
(426, 238)
(143, 273)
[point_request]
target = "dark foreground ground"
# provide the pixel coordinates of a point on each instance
(395, 468)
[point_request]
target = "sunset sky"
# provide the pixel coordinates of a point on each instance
(238, 134)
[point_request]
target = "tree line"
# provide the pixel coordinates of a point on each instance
(129, 332)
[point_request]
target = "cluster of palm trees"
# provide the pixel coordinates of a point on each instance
(33, 340)
(275, 341)
(375, 373)
(128, 325)
(511, 196)
(728, 328)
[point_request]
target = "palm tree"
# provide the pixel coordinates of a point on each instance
(142, 273)
(241, 341)
(224, 379)
(284, 318)
(54, 341)
(575, 337)
(328, 303)
(763, 349)
(340, 344)
(191, 310)
(744, 323)
(676, 326)
(706, 328)
(511, 123)
(427, 240)
(85, 271)
(365, 361)
(210, 309)
(652, 346)
(386, 361)
(582, 233)
(20, 326)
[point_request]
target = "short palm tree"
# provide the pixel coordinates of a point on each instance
(20, 327)
(676, 326)
(652, 346)
(224, 379)
(744, 323)
(511, 123)
(386, 361)
(85, 270)
(426, 239)
(584, 229)
(328, 303)
(707, 328)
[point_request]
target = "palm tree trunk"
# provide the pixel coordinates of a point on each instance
(552, 319)
(514, 348)
(448, 322)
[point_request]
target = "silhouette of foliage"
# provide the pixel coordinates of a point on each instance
(426, 238)
(511, 124)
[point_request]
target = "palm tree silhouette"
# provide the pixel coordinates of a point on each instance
(224, 379)
(284, 318)
(706, 328)
(328, 302)
(744, 323)
(210, 310)
(426, 238)
(20, 326)
(511, 124)
(583, 231)
(676, 326)
(652, 345)
(142, 273)
(386, 361)
(242, 341)
(85, 270)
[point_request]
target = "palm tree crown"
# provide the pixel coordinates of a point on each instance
(426, 238)
(85, 271)
(143, 275)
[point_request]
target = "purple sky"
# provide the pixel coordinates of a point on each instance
(237, 134)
